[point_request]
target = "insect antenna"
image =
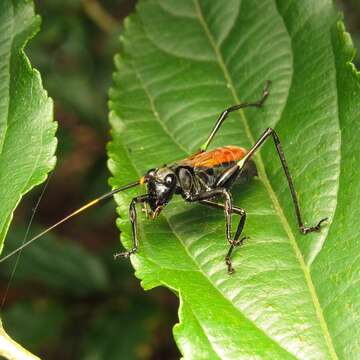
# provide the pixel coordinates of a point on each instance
(23, 242)
(71, 215)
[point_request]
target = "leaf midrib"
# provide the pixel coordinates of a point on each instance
(264, 178)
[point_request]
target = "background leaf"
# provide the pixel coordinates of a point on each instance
(27, 142)
(181, 64)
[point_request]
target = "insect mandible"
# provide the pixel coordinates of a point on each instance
(204, 177)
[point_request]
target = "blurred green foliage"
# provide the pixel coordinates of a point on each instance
(86, 306)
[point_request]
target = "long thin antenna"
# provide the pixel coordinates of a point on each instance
(23, 242)
(74, 213)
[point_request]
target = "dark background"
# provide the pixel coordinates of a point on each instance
(68, 298)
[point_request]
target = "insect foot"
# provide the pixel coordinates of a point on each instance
(266, 93)
(305, 230)
(230, 269)
(233, 245)
(125, 254)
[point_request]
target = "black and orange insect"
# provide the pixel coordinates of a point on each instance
(205, 177)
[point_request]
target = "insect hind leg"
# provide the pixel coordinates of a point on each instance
(226, 112)
(271, 132)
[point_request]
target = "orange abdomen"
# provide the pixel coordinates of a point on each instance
(221, 155)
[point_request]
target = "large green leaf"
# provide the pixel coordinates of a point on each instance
(182, 63)
(27, 141)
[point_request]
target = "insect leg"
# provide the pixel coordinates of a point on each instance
(228, 209)
(133, 219)
(279, 149)
(235, 241)
(226, 112)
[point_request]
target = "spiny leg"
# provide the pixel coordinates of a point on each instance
(133, 219)
(269, 131)
(235, 241)
(226, 112)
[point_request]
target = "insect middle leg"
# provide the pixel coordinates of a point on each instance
(226, 112)
(235, 241)
(133, 219)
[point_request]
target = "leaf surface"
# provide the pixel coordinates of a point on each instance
(182, 63)
(27, 142)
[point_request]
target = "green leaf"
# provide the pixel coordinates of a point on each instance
(182, 63)
(27, 142)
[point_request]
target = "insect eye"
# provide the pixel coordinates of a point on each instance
(169, 179)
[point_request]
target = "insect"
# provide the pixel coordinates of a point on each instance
(205, 177)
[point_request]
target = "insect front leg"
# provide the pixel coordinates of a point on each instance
(133, 219)
(271, 132)
(226, 112)
(235, 241)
